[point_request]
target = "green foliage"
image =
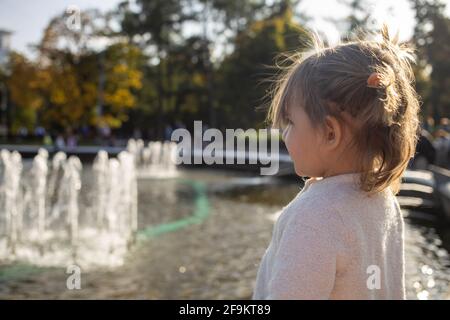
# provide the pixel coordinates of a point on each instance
(61, 89)
(431, 37)
(159, 68)
(243, 75)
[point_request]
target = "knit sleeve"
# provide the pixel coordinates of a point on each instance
(305, 264)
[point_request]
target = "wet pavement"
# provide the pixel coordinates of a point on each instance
(203, 236)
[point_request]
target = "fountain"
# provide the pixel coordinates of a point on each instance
(55, 212)
(10, 194)
(157, 160)
(43, 220)
(37, 191)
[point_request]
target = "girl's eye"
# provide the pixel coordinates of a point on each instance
(286, 130)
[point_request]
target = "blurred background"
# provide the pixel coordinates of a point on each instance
(90, 93)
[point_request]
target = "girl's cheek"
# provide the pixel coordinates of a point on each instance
(290, 140)
(286, 135)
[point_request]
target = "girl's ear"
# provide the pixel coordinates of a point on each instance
(333, 132)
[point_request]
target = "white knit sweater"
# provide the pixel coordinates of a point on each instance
(334, 242)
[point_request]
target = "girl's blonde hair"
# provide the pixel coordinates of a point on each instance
(325, 81)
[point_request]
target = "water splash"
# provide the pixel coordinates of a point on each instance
(10, 195)
(157, 160)
(37, 189)
(44, 222)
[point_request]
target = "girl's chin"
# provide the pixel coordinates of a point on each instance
(301, 172)
(298, 170)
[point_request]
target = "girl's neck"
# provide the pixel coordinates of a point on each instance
(331, 173)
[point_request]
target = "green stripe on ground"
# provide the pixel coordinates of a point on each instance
(19, 271)
(201, 212)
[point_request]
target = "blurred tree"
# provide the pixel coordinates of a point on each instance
(237, 15)
(189, 86)
(156, 26)
(431, 37)
(186, 94)
(62, 89)
(123, 77)
(358, 21)
(24, 86)
(243, 74)
(184, 73)
(73, 89)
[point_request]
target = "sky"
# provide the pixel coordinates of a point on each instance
(27, 19)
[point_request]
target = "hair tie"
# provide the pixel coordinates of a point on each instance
(374, 80)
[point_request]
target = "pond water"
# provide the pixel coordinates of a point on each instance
(202, 236)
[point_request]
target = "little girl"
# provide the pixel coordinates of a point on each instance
(349, 116)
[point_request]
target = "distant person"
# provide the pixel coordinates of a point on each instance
(429, 125)
(112, 142)
(444, 124)
(425, 152)
(137, 133)
(179, 125)
(71, 141)
(442, 145)
(105, 132)
(349, 116)
(85, 132)
(39, 132)
(23, 133)
(168, 132)
(47, 140)
(59, 142)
